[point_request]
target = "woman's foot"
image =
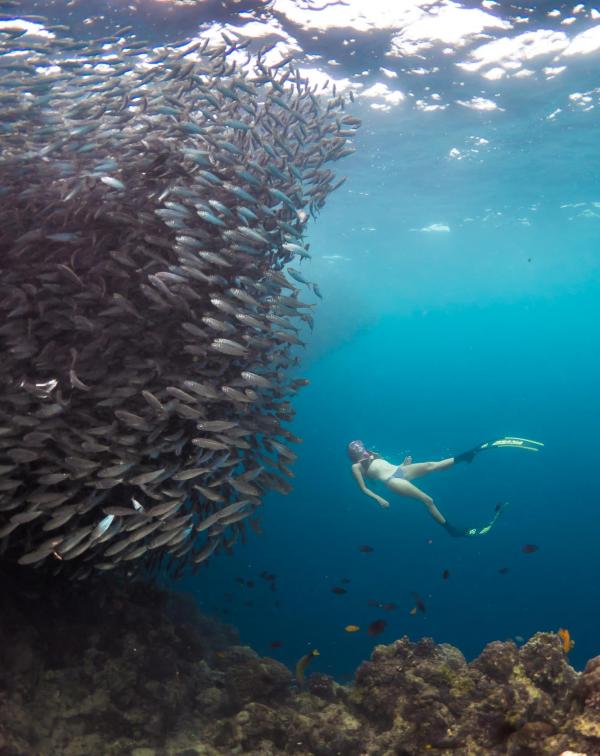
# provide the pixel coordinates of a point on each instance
(467, 456)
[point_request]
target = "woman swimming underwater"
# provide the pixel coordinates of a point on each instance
(368, 464)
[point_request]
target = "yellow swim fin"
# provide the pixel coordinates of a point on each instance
(515, 442)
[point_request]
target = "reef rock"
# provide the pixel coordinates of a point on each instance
(128, 669)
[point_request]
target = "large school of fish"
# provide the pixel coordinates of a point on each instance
(152, 200)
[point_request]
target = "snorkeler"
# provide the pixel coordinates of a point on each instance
(397, 478)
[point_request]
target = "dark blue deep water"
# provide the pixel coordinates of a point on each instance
(459, 269)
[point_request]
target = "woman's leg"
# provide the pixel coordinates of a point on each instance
(404, 488)
(419, 469)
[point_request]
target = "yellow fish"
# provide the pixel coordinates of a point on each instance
(352, 628)
(302, 664)
(567, 641)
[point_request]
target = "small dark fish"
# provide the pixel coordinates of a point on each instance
(276, 644)
(446, 574)
(338, 590)
(345, 581)
(240, 580)
(529, 548)
(254, 523)
(366, 549)
(373, 603)
(376, 627)
(390, 607)
(503, 570)
(249, 584)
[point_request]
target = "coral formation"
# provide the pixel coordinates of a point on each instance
(131, 670)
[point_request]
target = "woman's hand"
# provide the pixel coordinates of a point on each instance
(382, 502)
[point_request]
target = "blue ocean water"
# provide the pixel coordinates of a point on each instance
(459, 268)
(432, 383)
(427, 343)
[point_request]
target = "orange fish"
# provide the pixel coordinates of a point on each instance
(352, 628)
(565, 637)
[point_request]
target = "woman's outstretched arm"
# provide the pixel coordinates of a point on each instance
(356, 471)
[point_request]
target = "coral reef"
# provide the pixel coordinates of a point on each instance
(130, 670)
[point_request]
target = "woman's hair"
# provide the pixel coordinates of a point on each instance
(357, 451)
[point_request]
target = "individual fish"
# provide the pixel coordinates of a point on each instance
(227, 346)
(242, 486)
(339, 591)
(565, 638)
(297, 275)
(191, 472)
(529, 548)
(147, 477)
(114, 183)
(33, 557)
(236, 395)
(352, 628)
(27, 516)
(216, 425)
(445, 574)
(301, 666)
(73, 540)
(208, 443)
(60, 518)
(376, 627)
(503, 570)
(366, 549)
(119, 511)
(154, 402)
(206, 551)
(136, 553)
(254, 379)
(419, 604)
